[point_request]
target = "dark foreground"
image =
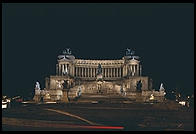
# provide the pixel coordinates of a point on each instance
(96, 117)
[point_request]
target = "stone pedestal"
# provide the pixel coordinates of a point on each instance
(65, 97)
(36, 98)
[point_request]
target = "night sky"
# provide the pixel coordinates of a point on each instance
(35, 34)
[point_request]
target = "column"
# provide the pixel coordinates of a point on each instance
(81, 72)
(120, 72)
(73, 67)
(134, 69)
(62, 69)
(107, 72)
(104, 72)
(88, 72)
(93, 72)
(78, 71)
(115, 70)
(59, 69)
(84, 71)
(137, 70)
(112, 72)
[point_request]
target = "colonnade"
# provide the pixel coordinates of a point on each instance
(62, 69)
(92, 72)
(116, 72)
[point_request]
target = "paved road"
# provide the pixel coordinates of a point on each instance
(95, 117)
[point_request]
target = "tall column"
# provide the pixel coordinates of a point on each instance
(78, 68)
(76, 71)
(84, 71)
(81, 71)
(115, 72)
(88, 72)
(59, 69)
(137, 69)
(120, 71)
(108, 72)
(73, 70)
(134, 69)
(79, 74)
(131, 70)
(62, 69)
(112, 72)
(93, 72)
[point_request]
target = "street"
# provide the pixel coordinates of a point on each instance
(96, 117)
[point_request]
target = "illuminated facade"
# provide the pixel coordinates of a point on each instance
(96, 77)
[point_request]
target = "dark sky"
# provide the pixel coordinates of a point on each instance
(34, 34)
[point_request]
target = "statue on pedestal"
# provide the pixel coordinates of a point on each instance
(37, 86)
(139, 85)
(161, 87)
(99, 69)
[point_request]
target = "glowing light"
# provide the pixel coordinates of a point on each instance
(151, 97)
(50, 102)
(182, 103)
(104, 127)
